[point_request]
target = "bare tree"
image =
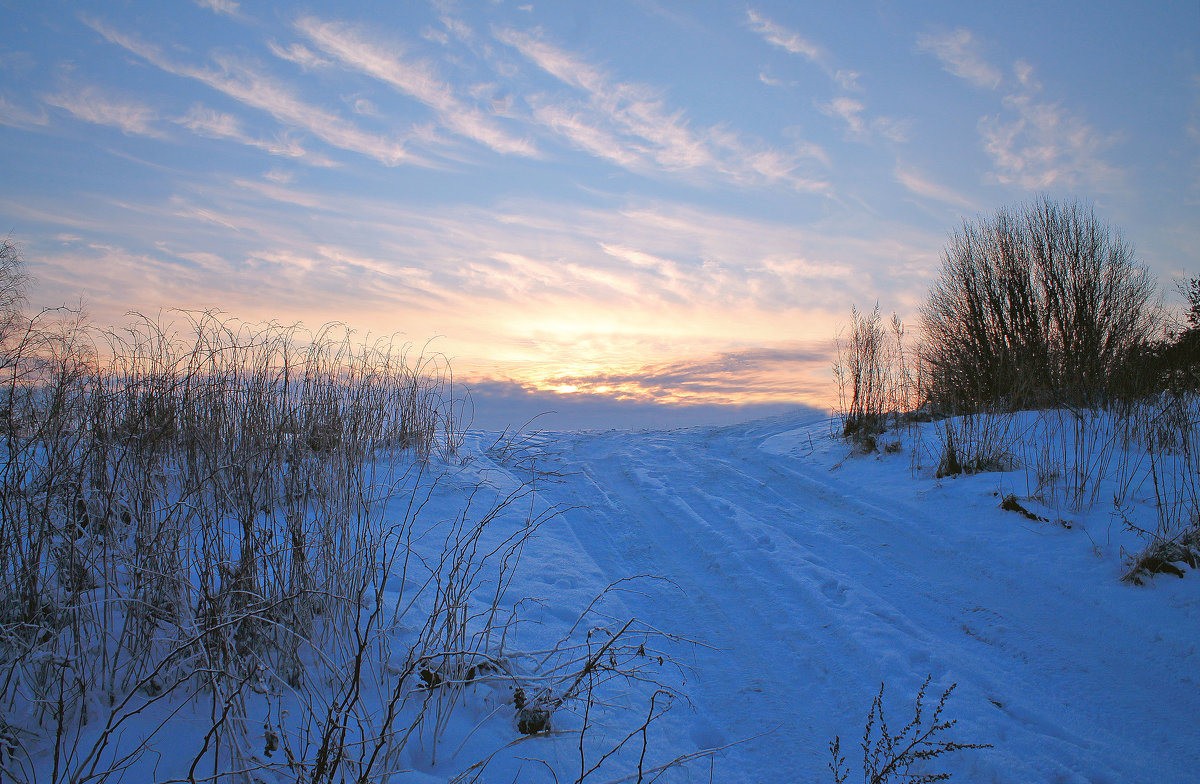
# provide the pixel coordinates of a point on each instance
(1038, 303)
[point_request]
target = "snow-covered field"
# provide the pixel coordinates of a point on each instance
(761, 583)
(811, 576)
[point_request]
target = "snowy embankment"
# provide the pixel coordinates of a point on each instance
(811, 576)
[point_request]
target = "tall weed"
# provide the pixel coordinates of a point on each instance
(875, 376)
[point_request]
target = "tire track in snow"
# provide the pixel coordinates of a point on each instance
(810, 597)
(777, 617)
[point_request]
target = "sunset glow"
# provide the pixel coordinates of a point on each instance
(662, 203)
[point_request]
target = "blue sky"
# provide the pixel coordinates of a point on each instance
(674, 202)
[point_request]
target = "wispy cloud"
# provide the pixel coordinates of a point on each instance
(630, 125)
(860, 126)
(557, 62)
(575, 126)
(849, 111)
(365, 107)
(748, 376)
(18, 117)
(222, 125)
(784, 38)
(1035, 144)
(416, 78)
(791, 41)
(922, 185)
(93, 105)
(1041, 145)
(113, 280)
(575, 295)
(961, 55)
(299, 54)
(767, 79)
(687, 279)
(227, 7)
(247, 85)
(894, 129)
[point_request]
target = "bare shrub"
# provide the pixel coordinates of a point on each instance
(1071, 450)
(13, 282)
(583, 682)
(1169, 431)
(889, 757)
(1173, 452)
(1178, 357)
(1036, 304)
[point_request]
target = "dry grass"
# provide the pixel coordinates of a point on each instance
(195, 512)
(227, 521)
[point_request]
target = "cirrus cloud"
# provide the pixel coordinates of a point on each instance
(101, 107)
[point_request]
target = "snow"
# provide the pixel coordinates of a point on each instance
(812, 576)
(786, 578)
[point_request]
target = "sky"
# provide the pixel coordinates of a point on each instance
(576, 202)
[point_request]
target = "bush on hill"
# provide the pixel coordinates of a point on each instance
(1035, 305)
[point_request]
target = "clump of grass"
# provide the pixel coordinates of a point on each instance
(1011, 504)
(1165, 555)
(977, 442)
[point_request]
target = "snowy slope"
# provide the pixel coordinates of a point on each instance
(812, 577)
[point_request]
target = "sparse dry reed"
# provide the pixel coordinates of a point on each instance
(197, 511)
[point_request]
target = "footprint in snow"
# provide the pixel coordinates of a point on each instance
(834, 592)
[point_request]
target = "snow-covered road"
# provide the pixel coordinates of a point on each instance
(813, 578)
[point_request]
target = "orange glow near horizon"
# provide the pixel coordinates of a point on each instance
(718, 379)
(638, 354)
(672, 354)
